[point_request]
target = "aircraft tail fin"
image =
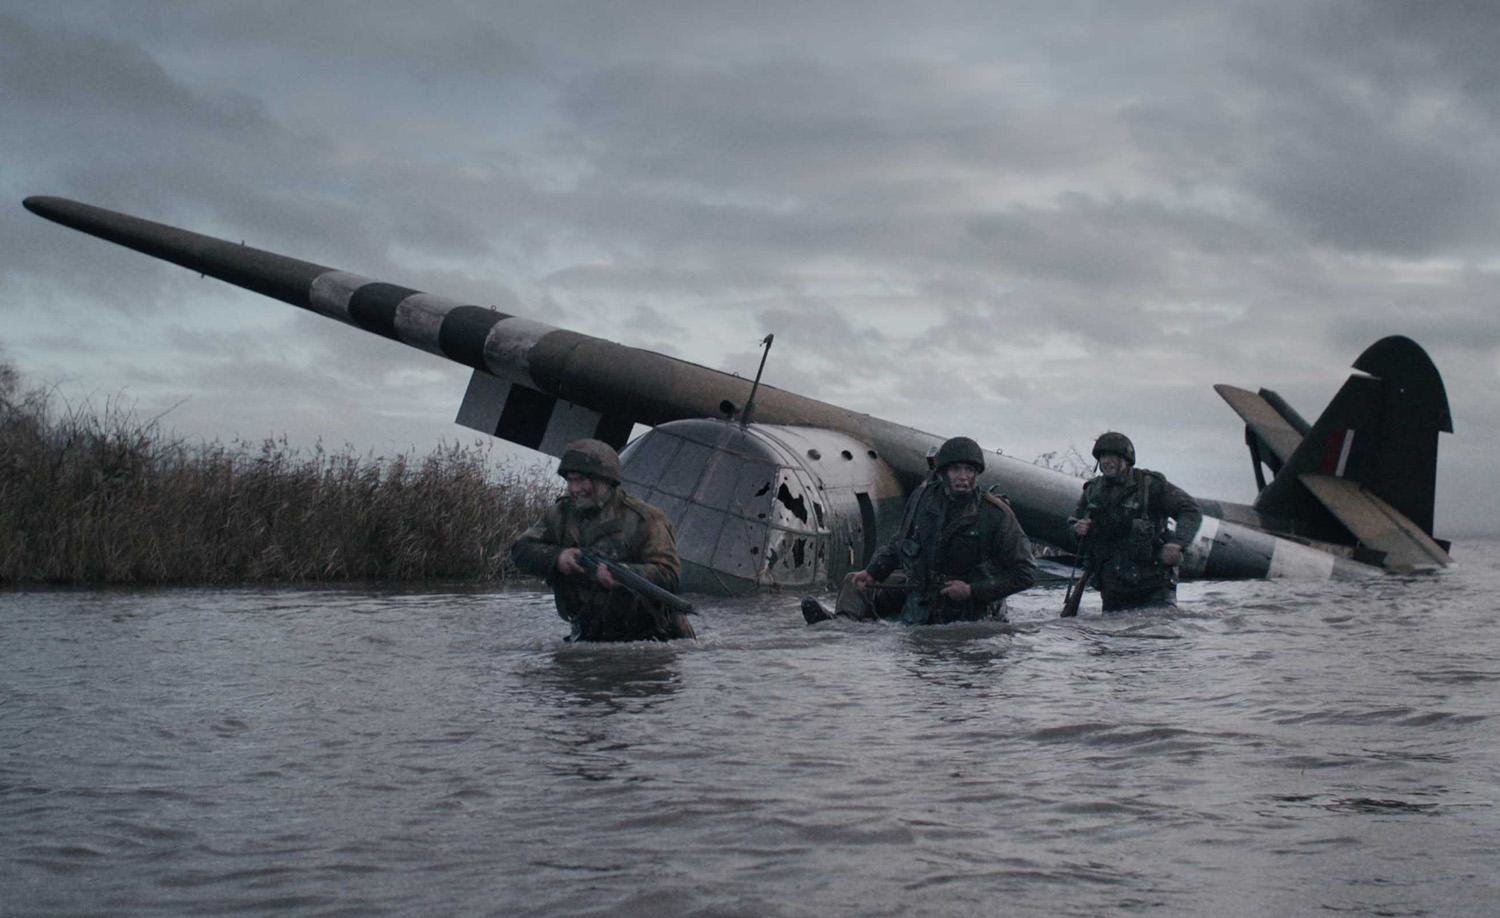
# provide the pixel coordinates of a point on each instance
(1365, 472)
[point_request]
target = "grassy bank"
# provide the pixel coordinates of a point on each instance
(101, 496)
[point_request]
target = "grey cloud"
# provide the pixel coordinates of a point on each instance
(1409, 44)
(801, 129)
(1348, 182)
(50, 70)
(1172, 194)
(1351, 146)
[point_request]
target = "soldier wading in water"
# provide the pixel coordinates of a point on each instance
(960, 551)
(1121, 525)
(598, 515)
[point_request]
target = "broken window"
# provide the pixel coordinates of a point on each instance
(796, 505)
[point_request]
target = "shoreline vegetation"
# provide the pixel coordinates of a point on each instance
(94, 498)
(102, 497)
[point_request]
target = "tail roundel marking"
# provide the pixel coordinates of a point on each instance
(1336, 451)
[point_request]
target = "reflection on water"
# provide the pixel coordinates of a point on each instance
(961, 655)
(609, 679)
(1270, 748)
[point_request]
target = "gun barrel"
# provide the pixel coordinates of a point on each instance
(635, 582)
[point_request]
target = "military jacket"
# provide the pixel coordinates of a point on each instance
(626, 529)
(977, 540)
(1130, 527)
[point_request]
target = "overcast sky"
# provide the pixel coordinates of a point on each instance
(1025, 222)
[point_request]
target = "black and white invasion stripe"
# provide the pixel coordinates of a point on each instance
(1222, 550)
(476, 336)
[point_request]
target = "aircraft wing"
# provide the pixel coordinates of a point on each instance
(534, 384)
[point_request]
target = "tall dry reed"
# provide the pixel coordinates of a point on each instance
(103, 497)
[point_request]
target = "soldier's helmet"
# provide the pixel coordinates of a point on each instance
(1117, 443)
(959, 449)
(591, 457)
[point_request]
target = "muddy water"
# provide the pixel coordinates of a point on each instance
(1269, 749)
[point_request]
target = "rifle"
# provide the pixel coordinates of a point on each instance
(635, 583)
(1076, 588)
(1075, 591)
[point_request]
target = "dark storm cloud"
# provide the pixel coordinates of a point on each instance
(49, 72)
(104, 122)
(832, 131)
(1374, 125)
(1404, 44)
(1347, 178)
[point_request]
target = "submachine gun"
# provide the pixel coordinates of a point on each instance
(635, 583)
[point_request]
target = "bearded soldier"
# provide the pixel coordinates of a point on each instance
(598, 515)
(1121, 523)
(960, 551)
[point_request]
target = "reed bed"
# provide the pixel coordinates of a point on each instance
(102, 497)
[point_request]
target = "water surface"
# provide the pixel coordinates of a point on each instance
(1269, 748)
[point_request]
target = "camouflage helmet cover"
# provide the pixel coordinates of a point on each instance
(591, 457)
(1117, 443)
(959, 449)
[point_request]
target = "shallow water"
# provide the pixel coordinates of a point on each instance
(1268, 748)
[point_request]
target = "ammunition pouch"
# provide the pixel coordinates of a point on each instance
(1132, 565)
(1142, 544)
(1127, 574)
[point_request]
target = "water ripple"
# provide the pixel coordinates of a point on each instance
(362, 751)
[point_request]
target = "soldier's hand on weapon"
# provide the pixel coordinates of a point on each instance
(605, 577)
(862, 580)
(956, 591)
(1171, 554)
(1081, 527)
(567, 562)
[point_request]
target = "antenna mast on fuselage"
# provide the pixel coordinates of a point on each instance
(750, 402)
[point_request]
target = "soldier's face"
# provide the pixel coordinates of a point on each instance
(961, 477)
(587, 492)
(1112, 465)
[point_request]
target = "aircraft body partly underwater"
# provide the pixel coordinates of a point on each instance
(803, 492)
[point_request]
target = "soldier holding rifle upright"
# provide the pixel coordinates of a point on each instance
(1121, 523)
(597, 515)
(960, 551)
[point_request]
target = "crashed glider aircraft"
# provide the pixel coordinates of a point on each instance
(804, 492)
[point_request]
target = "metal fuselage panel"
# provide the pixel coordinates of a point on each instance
(763, 506)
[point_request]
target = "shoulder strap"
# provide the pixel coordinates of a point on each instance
(917, 498)
(1091, 489)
